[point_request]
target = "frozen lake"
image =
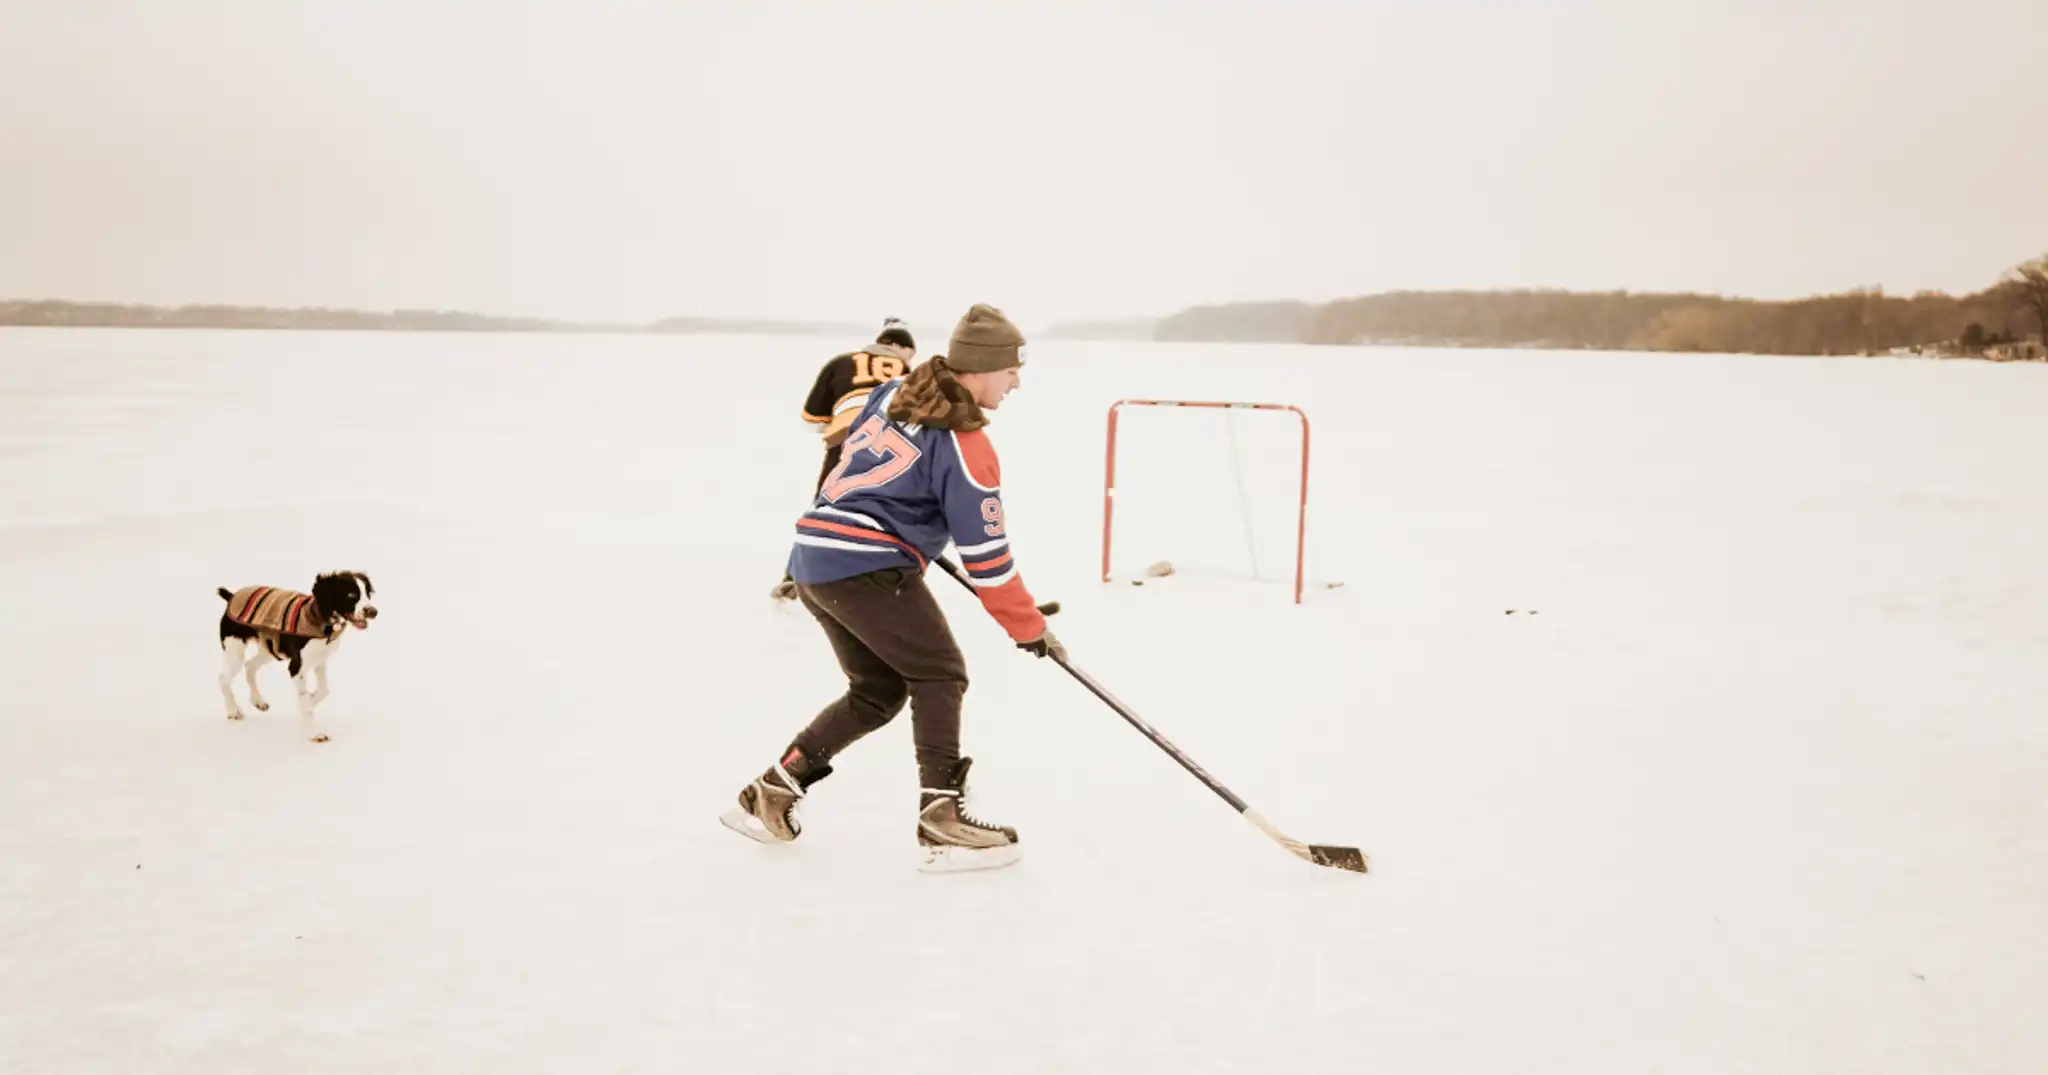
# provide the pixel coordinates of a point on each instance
(1751, 780)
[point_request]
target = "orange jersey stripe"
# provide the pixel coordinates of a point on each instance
(855, 531)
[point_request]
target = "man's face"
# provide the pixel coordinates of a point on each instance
(988, 389)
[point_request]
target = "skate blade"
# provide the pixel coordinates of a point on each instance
(965, 859)
(747, 825)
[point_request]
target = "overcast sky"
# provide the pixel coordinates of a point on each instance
(617, 159)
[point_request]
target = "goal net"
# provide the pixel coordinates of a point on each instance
(1215, 489)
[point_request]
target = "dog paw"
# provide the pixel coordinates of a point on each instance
(261, 707)
(317, 739)
(236, 715)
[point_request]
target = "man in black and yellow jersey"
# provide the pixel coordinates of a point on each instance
(842, 389)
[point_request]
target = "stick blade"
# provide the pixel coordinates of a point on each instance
(1342, 858)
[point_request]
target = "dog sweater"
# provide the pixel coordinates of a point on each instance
(285, 612)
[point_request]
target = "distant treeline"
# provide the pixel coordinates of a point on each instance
(129, 315)
(1241, 322)
(763, 326)
(1855, 322)
(59, 313)
(1997, 322)
(1852, 322)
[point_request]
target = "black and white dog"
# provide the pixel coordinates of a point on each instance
(302, 629)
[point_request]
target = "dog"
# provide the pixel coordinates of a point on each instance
(301, 629)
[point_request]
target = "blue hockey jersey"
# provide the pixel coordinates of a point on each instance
(901, 494)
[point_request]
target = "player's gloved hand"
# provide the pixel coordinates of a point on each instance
(1045, 645)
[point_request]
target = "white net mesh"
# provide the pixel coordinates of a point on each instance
(1212, 491)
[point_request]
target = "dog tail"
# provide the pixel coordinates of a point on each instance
(225, 593)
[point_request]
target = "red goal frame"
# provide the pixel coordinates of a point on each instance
(1109, 474)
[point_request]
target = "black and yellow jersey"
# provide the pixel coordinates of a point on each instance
(843, 385)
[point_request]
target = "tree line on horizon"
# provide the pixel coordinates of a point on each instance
(62, 313)
(1859, 321)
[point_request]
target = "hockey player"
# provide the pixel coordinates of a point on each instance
(916, 472)
(841, 388)
(845, 380)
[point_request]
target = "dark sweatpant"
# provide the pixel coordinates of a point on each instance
(894, 645)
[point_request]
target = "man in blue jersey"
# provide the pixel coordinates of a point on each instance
(916, 473)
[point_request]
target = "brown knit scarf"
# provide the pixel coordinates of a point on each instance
(931, 397)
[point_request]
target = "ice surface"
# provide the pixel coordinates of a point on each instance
(1750, 780)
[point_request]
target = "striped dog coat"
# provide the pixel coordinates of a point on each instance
(281, 612)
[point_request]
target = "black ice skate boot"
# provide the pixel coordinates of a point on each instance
(949, 840)
(767, 809)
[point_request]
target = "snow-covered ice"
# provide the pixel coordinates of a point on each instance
(1751, 780)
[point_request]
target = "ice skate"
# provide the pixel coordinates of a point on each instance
(767, 807)
(949, 840)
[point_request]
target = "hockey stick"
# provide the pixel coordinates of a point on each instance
(1342, 858)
